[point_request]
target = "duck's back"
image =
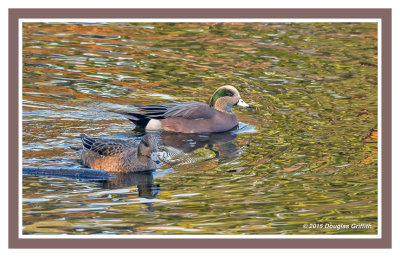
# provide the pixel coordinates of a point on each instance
(121, 162)
(112, 155)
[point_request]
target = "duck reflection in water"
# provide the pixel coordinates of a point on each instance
(142, 179)
(221, 144)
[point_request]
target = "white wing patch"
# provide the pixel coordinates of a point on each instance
(153, 125)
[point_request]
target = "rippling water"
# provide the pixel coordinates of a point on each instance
(306, 154)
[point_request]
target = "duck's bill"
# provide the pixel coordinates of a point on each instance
(155, 159)
(242, 103)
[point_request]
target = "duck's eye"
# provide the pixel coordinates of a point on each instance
(146, 144)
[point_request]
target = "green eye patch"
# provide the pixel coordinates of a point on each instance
(220, 93)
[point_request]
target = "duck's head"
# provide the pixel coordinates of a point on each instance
(148, 147)
(225, 98)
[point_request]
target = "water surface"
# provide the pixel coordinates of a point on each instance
(306, 153)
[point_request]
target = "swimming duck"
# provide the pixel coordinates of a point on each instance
(190, 117)
(116, 155)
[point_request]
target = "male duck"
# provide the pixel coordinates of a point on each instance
(190, 117)
(116, 155)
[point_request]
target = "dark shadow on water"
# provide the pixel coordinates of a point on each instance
(82, 174)
(142, 179)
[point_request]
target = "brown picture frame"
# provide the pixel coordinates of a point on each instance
(385, 15)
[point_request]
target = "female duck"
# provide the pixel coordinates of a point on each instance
(115, 155)
(190, 117)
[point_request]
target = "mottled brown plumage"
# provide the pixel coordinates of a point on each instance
(115, 155)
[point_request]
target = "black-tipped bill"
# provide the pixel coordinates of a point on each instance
(155, 159)
(242, 103)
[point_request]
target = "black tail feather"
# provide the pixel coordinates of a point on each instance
(87, 142)
(138, 119)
